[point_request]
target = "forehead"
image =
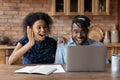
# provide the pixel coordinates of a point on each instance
(39, 22)
(75, 26)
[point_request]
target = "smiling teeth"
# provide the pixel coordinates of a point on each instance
(78, 39)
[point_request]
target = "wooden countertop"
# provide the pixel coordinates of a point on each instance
(6, 47)
(107, 44)
(7, 73)
(112, 44)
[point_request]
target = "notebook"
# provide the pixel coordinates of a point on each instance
(38, 69)
(86, 58)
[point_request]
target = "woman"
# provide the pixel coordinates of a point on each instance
(35, 47)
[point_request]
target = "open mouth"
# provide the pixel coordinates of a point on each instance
(78, 39)
(81, 38)
(42, 35)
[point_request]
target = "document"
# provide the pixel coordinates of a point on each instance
(37, 69)
(59, 68)
(41, 69)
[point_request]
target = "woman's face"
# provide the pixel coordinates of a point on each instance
(40, 30)
(78, 34)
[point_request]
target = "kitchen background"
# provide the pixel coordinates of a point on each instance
(12, 13)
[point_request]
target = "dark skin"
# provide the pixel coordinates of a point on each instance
(37, 32)
(78, 34)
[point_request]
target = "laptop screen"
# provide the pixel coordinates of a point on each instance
(86, 58)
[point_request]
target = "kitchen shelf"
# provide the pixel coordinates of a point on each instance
(82, 7)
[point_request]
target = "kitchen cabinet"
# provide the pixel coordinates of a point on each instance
(5, 52)
(58, 7)
(112, 48)
(102, 7)
(73, 7)
(82, 7)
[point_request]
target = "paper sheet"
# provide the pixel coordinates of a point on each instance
(58, 67)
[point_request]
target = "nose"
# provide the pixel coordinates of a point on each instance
(42, 29)
(78, 34)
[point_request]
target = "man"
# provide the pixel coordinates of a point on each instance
(79, 30)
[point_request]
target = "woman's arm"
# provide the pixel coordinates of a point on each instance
(20, 50)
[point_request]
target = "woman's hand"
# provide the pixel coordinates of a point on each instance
(20, 50)
(30, 36)
(63, 40)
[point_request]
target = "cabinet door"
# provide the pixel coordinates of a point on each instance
(102, 7)
(73, 7)
(2, 56)
(82, 7)
(58, 7)
(87, 7)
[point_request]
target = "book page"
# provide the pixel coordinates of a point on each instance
(44, 69)
(41, 69)
(27, 69)
(59, 69)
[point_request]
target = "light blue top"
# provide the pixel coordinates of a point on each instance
(61, 51)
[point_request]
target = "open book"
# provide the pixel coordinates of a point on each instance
(39, 69)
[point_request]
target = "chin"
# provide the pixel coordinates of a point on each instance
(80, 42)
(41, 38)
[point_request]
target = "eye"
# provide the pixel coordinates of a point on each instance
(45, 26)
(75, 31)
(82, 32)
(39, 27)
(79, 32)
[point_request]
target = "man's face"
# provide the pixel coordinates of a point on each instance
(78, 34)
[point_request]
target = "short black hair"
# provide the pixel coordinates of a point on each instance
(31, 18)
(82, 21)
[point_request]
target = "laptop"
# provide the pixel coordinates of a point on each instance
(86, 58)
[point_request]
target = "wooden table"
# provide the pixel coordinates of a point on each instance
(113, 48)
(7, 73)
(5, 51)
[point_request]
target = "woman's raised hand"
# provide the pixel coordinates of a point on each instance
(30, 35)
